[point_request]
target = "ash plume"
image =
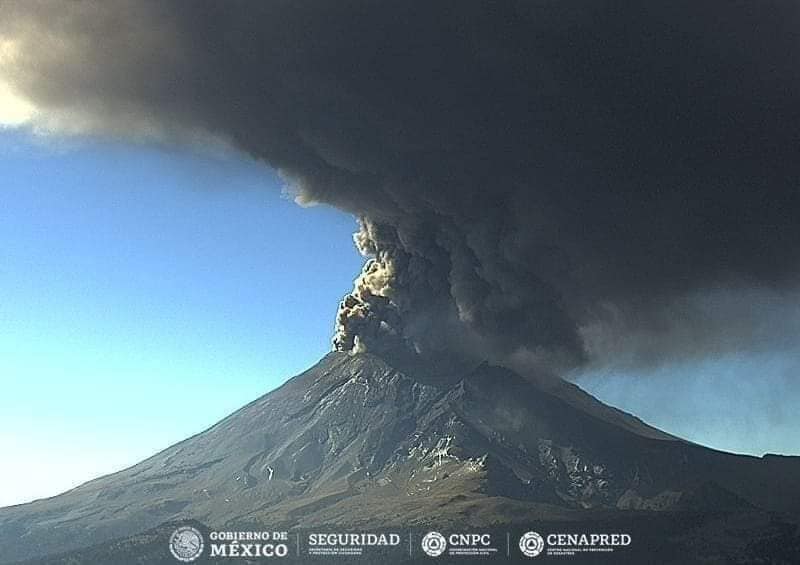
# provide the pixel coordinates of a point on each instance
(532, 178)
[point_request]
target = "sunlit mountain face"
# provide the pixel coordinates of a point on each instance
(356, 442)
(542, 191)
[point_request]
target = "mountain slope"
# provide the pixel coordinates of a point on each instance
(353, 441)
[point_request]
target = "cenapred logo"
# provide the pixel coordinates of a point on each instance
(434, 544)
(186, 544)
(531, 544)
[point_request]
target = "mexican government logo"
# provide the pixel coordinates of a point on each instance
(186, 544)
(434, 544)
(531, 544)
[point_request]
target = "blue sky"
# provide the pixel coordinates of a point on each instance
(147, 292)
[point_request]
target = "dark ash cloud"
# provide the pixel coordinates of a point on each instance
(521, 169)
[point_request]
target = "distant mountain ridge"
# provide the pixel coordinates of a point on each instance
(355, 442)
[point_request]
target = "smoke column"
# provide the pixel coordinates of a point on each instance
(538, 183)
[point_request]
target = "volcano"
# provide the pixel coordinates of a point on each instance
(357, 442)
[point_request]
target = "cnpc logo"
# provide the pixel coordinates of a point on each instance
(435, 544)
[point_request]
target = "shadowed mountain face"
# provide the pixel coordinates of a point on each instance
(354, 442)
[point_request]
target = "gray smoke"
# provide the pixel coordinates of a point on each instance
(538, 182)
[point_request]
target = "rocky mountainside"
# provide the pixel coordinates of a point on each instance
(355, 442)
